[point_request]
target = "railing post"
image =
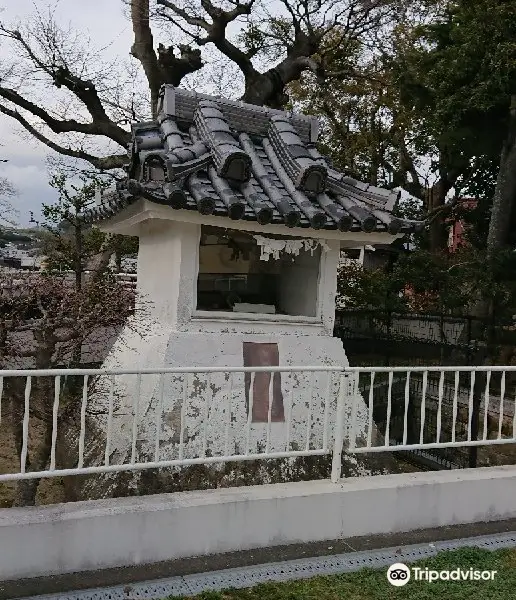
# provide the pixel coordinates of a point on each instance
(389, 338)
(336, 465)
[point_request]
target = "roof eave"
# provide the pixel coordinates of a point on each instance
(128, 220)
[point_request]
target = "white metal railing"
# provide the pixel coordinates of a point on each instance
(492, 401)
(138, 403)
(128, 280)
(129, 420)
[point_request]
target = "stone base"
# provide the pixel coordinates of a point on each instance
(154, 345)
(215, 405)
(214, 411)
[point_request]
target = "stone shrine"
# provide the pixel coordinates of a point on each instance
(240, 223)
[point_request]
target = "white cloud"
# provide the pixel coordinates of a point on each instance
(31, 182)
(17, 145)
(25, 177)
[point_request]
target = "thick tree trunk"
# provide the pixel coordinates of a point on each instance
(498, 238)
(437, 198)
(268, 89)
(78, 266)
(265, 90)
(505, 191)
(161, 66)
(143, 48)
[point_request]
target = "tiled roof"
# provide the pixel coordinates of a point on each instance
(236, 160)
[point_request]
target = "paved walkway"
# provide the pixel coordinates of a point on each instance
(10, 590)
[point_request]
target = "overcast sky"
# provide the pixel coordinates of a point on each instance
(104, 22)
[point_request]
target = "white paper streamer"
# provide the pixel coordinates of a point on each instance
(271, 247)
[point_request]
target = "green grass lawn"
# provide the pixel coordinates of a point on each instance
(369, 584)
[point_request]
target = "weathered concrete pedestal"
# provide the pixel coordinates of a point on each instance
(173, 334)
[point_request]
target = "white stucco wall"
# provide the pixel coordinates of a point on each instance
(168, 264)
(167, 270)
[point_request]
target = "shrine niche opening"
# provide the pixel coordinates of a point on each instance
(240, 272)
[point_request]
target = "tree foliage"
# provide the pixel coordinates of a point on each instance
(71, 245)
(44, 319)
(49, 317)
(428, 108)
(427, 282)
(460, 78)
(359, 288)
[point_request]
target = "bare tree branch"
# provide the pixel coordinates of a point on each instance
(291, 42)
(83, 89)
(46, 54)
(113, 161)
(7, 192)
(97, 127)
(165, 66)
(189, 19)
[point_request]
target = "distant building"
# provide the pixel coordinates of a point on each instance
(18, 256)
(371, 257)
(10, 262)
(22, 263)
(457, 233)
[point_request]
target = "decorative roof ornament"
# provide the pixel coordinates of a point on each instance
(307, 173)
(230, 159)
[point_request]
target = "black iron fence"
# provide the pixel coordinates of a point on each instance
(386, 338)
(381, 338)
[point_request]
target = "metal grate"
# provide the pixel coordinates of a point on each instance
(190, 585)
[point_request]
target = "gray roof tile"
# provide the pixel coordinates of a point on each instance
(226, 158)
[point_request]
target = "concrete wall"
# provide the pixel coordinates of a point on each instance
(428, 329)
(423, 328)
(132, 531)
